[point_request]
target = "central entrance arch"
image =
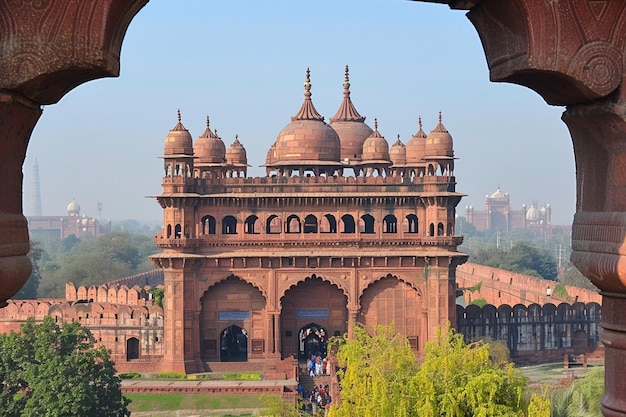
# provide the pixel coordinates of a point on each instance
(308, 308)
(313, 340)
(233, 344)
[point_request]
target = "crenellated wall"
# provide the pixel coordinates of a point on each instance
(499, 286)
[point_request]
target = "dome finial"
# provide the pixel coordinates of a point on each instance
(207, 121)
(307, 81)
(178, 114)
(419, 121)
(439, 116)
(346, 82)
(376, 124)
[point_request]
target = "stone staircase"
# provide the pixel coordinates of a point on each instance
(309, 382)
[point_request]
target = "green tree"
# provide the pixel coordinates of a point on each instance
(375, 373)
(521, 258)
(572, 276)
(460, 380)
(29, 290)
(51, 370)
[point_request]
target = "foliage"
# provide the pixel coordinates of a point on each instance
(572, 276)
(29, 290)
(171, 375)
(157, 295)
(242, 376)
(276, 407)
(480, 302)
(521, 258)
(380, 377)
(47, 370)
(583, 397)
(90, 261)
(460, 380)
(538, 406)
(130, 375)
(375, 373)
(560, 291)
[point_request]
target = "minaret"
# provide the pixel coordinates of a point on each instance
(35, 193)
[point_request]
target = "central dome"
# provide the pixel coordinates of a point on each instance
(307, 139)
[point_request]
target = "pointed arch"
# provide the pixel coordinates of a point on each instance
(293, 224)
(310, 224)
(250, 225)
(390, 224)
(229, 225)
(208, 225)
(366, 224)
(329, 224)
(273, 225)
(411, 225)
(348, 224)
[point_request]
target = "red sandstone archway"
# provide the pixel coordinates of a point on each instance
(391, 301)
(232, 302)
(312, 300)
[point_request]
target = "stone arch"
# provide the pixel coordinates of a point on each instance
(347, 220)
(229, 225)
(250, 225)
(310, 224)
(232, 301)
(367, 224)
(132, 348)
(311, 300)
(328, 224)
(273, 225)
(293, 224)
(390, 300)
(390, 224)
(234, 342)
(411, 224)
(208, 225)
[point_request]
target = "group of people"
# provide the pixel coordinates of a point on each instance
(318, 366)
(319, 398)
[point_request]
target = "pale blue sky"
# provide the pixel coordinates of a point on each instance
(243, 63)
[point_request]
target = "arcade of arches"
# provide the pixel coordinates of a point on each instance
(570, 52)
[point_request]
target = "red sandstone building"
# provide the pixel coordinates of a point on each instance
(498, 215)
(342, 229)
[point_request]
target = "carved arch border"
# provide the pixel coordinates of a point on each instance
(331, 280)
(389, 275)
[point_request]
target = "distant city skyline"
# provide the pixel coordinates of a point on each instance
(244, 67)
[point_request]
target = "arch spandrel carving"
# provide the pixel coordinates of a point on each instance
(567, 51)
(286, 282)
(377, 278)
(57, 45)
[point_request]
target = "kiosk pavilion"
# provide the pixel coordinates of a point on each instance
(343, 229)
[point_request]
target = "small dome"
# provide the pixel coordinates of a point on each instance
(532, 214)
(178, 141)
(350, 125)
(416, 146)
(236, 153)
(375, 148)
(209, 148)
(270, 158)
(397, 153)
(498, 194)
(307, 138)
(439, 142)
(73, 209)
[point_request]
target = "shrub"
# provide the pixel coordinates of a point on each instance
(130, 375)
(171, 375)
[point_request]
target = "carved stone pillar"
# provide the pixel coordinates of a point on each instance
(46, 49)
(571, 53)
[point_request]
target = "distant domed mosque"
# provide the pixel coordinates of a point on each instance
(342, 229)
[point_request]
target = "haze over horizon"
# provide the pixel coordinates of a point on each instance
(244, 67)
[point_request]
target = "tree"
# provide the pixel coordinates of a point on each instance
(29, 290)
(51, 370)
(375, 373)
(459, 380)
(521, 258)
(380, 377)
(572, 276)
(582, 398)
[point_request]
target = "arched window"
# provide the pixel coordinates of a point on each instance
(273, 225)
(411, 224)
(329, 224)
(208, 225)
(250, 225)
(169, 231)
(132, 349)
(431, 230)
(348, 224)
(390, 224)
(310, 224)
(366, 225)
(293, 224)
(177, 231)
(229, 225)
(440, 229)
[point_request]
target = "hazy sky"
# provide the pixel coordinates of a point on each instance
(243, 64)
